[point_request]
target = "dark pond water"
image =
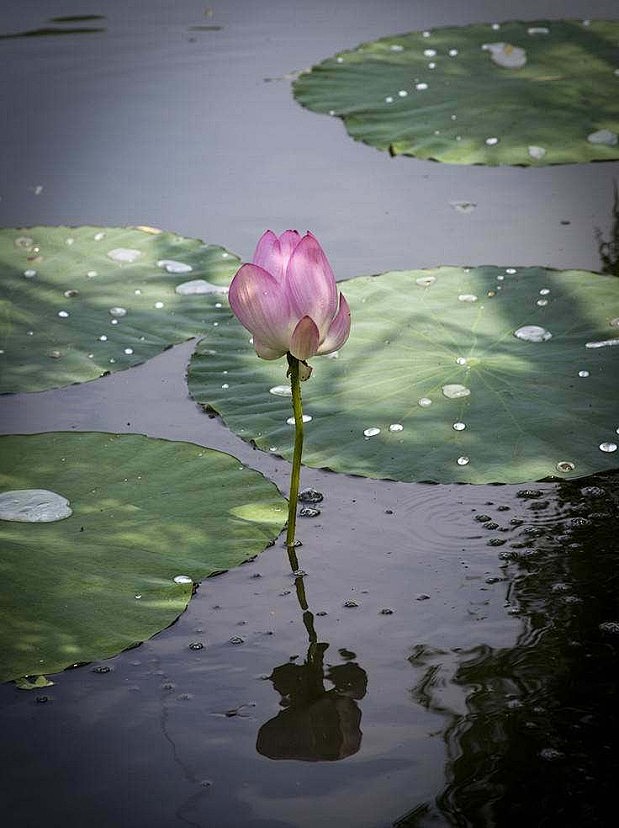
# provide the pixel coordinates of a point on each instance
(473, 680)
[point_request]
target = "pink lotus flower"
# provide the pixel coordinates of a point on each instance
(287, 298)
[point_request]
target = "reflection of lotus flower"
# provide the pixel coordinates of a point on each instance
(287, 298)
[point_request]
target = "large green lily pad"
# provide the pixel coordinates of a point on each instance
(70, 311)
(144, 512)
(447, 336)
(441, 95)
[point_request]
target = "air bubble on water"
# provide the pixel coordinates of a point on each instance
(309, 512)
(455, 391)
(565, 466)
(33, 506)
(604, 137)
(425, 281)
(281, 390)
(306, 419)
(420, 87)
(536, 152)
(371, 432)
(117, 311)
(196, 645)
(609, 627)
(424, 402)
(608, 447)
(461, 361)
(462, 206)
(492, 141)
(603, 343)
(128, 351)
(459, 426)
(124, 254)
(350, 604)
(63, 314)
(310, 496)
(174, 267)
(467, 297)
(533, 333)
(30, 274)
(396, 427)
(462, 461)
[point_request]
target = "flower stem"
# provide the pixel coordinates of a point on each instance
(297, 407)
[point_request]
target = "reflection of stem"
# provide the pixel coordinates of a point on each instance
(297, 407)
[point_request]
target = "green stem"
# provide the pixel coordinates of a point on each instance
(297, 407)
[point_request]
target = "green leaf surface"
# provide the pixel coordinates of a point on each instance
(529, 414)
(62, 299)
(440, 95)
(144, 512)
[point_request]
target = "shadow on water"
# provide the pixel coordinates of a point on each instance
(316, 724)
(534, 742)
(609, 250)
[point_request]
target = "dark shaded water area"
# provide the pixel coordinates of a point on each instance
(450, 657)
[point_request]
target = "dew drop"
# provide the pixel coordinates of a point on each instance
(425, 281)
(116, 311)
(583, 373)
(91, 274)
(402, 93)
(452, 52)
(544, 292)
(603, 137)
(424, 402)
(431, 65)
(608, 448)
(128, 351)
(426, 34)
(388, 99)
(70, 294)
(532, 333)
(158, 305)
(281, 390)
(603, 343)
(492, 141)
(183, 579)
(174, 267)
(113, 321)
(63, 314)
(542, 303)
(33, 506)
(459, 426)
(103, 338)
(461, 361)
(463, 461)
(396, 427)
(565, 466)
(510, 270)
(429, 52)
(124, 254)
(455, 391)
(421, 86)
(535, 30)
(536, 152)
(371, 432)
(30, 274)
(23, 242)
(99, 236)
(467, 297)
(306, 419)
(225, 385)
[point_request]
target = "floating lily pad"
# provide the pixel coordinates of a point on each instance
(145, 512)
(542, 92)
(80, 302)
(456, 374)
